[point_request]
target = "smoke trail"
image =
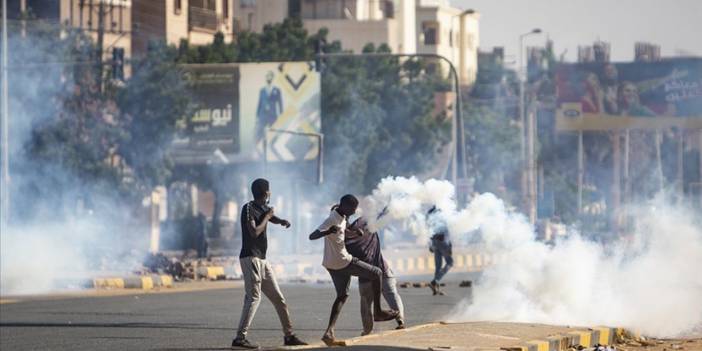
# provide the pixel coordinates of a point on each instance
(649, 283)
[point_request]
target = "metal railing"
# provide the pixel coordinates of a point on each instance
(203, 18)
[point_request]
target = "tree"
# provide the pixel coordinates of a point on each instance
(154, 99)
(378, 117)
(87, 142)
(492, 143)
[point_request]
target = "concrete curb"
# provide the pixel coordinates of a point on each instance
(137, 282)
(559, 342)
(356, 340)
(585, 338)
(211, 272)
(463, 262)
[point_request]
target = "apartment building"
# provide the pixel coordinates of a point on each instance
(173, 20)
(406, 26)
(111, 18)
(450, 32)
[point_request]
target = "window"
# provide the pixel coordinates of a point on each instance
(248, 3)
(430, 29)
(177, 6)
(451, 38)
(389, 9)
(225, 8)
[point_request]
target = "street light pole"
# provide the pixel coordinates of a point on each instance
(5, 192)
(522, 120)
(459, 170)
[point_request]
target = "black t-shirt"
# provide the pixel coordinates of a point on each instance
(367, 249)
(252, 245)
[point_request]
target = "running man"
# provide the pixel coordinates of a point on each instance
(441, 247)
(342, 266)
(257, 272)
(361, 243)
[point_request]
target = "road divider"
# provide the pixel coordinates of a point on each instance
(134, 282)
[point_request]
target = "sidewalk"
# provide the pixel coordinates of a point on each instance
(476, 336)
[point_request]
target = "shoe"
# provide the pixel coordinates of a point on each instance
(331, 341)
(400, 324)
(434, 287)
(243, 343)
(293, 340)
(382, 316)
(364, 333)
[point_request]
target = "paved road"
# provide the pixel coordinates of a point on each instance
(197, 320)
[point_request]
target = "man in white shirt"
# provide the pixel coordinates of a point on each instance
(342, 266)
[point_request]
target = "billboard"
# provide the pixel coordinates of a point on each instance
(239, 107)
(637, 95)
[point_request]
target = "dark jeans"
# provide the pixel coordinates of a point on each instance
(357, 268)
(442, 251)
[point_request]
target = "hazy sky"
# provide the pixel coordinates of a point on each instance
(675, 25)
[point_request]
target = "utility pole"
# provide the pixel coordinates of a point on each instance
(523, 123)
(5, 186)
(100, 42)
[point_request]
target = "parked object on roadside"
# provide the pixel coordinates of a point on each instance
(466, 284)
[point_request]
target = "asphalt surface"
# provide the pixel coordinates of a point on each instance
(196, 320)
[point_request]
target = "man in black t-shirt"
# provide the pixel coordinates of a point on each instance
(365, 245)
(257, 272)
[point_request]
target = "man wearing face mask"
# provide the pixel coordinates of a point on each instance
(342, 266)
(257, 272)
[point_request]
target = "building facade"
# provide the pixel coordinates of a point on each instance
(450, 32)
(196, 21)
(111, 20)
(406, 26)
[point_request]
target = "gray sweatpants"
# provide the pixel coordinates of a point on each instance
(392, 297)
(258, 276)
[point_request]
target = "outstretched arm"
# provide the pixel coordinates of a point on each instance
(318, 234)
(277, 220)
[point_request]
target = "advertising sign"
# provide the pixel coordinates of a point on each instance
(239, 107)
(283, 97)
(637, 95)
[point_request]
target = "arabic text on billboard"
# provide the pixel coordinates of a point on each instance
(239, 106)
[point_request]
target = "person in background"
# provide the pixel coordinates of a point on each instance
(257, 272)
(441, 247)
(201, 235)
(361, 243)
(342, 266)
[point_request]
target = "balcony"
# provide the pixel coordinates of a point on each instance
(203, 18)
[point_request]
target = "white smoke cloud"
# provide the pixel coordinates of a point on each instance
(649, 282)
(48, 256)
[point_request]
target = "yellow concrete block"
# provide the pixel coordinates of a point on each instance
(147, 283)
(166, 281)
(108, 283)
(604, 335)
(459, 261)
(469, 261)
(430, 262)
(585, 338)
(541, 345)
(420, 264)
(410, 265)
(478, 260)
(400, 265)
